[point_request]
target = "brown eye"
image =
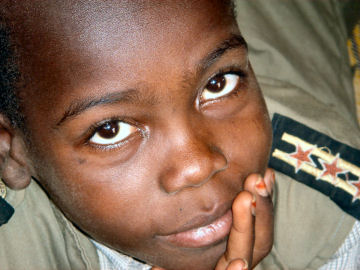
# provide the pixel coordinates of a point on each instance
(112, 132)
(108, 130)
(216, 84)
(219, 86)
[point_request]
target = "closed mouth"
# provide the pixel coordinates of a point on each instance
(202, 231)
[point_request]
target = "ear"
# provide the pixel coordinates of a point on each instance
(14, 169)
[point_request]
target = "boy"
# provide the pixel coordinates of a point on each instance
(141, 129)
(182, 139)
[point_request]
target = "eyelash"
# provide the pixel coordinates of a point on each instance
(94, 128)
(235, 70)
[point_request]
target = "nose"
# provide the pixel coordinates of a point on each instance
(191, 162)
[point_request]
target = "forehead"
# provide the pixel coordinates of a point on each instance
(69, 44)
(94, 27)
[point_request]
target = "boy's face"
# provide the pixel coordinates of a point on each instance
(145, 118)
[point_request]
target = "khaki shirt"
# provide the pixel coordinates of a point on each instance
(298, 51)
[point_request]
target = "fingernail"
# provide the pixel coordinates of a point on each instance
(246, 265)
(260, 187)
(273, 177)
(253, 206)
(270, 181)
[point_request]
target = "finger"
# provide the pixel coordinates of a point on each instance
(241, 238)
(264, 222)
(238, 264)
(157, 268)
(269, 179)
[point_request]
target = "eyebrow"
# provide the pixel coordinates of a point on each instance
(132, 95)
(235, 41)
(79, 106)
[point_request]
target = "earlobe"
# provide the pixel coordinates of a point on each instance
(14, 169)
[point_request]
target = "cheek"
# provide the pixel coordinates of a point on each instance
(247, 139)
(98, 199)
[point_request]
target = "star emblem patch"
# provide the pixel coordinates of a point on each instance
(318, 161)
(331, 169)
(302, 157)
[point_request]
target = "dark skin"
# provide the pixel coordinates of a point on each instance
(195, 134)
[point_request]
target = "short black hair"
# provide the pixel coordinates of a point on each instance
(9, 78)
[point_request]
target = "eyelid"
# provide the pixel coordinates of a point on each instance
(231, 83)
(122, 132)
(94, 128)
(235, 70)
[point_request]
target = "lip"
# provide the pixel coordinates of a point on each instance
(211, 233)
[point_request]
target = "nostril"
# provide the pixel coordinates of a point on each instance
(220, 162)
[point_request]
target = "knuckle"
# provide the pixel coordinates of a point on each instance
(264, 250)
(243, 200)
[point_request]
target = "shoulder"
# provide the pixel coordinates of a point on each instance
(305, 76)
(38, 230)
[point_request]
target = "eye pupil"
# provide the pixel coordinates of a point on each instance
(109, 130)
(216, 84)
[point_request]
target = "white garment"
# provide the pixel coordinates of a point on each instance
(348, 255)
(112, 260)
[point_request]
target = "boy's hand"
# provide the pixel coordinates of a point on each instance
(251, 237)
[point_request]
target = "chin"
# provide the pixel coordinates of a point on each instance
(193, 259)
(191, 265)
